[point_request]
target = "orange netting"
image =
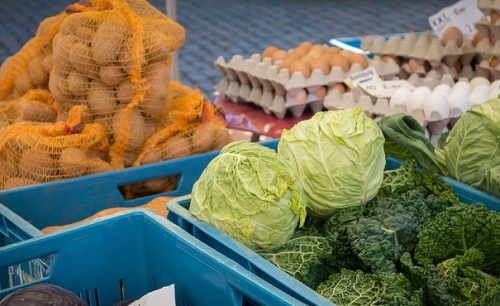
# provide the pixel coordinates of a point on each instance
(36, 105)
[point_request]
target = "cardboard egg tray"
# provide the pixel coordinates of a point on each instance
(378, 107)
(263, 83)
(483, 25)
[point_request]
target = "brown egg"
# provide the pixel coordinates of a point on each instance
(307, 59)
(345, 53)
(453, 33)
(332, 50)
(338, 86)
(315, 53)
(458, 66)
(320, 48)
(413, 65)
(477, 38)
(494, 17)
(326, 56)
(359, 58)
(387, 58)
(300, 66)
(319, 63)
(337, 60)
(492, 38)
(320, 93)
(287, 62)
(269, 51)
(299, 52)
(306, 45)
(279, 56)
(494, 62)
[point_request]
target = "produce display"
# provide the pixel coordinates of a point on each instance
(91, 93)
(43, 294)
(408, 240)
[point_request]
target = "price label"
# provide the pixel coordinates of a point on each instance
(384, 89)
(367, 75)
(463, 14)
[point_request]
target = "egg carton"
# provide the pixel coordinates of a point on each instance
(428, 114)
(484, 25)
(263, 83)
(424, 47)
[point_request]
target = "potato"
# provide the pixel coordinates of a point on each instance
(72, 162)
(176, 147)
(101, 98)
(33, 110)
(38, 74)
(58, 85)
(156, 47)
(155, 99)
(111, 75)
(84, 34)
(37, 165)
(135, 127)
(61, 52)
(125, 92)
(80, 57)
(153, 155)
(97, 165)
(129, 157)
(17, 182)
(7, 62)
(77, 83)
(22, 82)
(203, 137)
(48, 63)
(222, 138)
(108, 40)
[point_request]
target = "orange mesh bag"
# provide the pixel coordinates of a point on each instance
(36, 105)
(115, 56)
(30, 67)
(32, 153)
(192, 126)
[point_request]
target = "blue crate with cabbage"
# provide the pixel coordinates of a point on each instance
(323, 209)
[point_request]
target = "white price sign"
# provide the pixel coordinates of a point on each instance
(464, 15)
(367, 75)
(384, 89)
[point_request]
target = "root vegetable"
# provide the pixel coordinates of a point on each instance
(32, 110)
(155, 99)
(176, 147)
(125, 92)
(80, 57)
(111, 75)
(135, 126)
(222, 138)
(37, 165)
(203, 137)
(17, 182)
(58, 85)
(84, 34)
(38, 74)
(23, 82)
(108, 41)
(156, 48)
(48, 63)
(77, 83)
(72, 162)
(101, 98)
(97, 165)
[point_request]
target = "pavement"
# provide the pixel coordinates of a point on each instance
(227, 27)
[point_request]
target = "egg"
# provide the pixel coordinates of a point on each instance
(479, 80)
(493, 94)
(319, 63)
(415, 100)
(495, 84)
(494, 17)
(443, 89)
(306, 45)
(337, 60)
(387, 58)
(269, 51)
(345, 53)
(287, 62)
(299, 66)
(398, 97)
(318, 48)
(359, 58)
(492, 38)
(477, 98)
(413, 65)
(279, 56)
(300, 97)
(315, 53)
(453, 33)
(458, 66)
(477, 38)
(300, 52)
(340, 87)
(435, 107)
(482, 88)
(464, 85)
(458, 103)
(307, 59)
(332, 50)
(494, 62)
(320, 93)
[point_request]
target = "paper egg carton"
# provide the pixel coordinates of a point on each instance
(423, 47)
(434, 117)
(483, 25)
(263, 83)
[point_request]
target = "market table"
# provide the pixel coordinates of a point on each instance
(248, 117)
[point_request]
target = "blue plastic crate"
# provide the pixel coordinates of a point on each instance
(135, 252)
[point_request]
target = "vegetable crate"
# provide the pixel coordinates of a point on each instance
(179, 214)
(135, 252)
(63, 202)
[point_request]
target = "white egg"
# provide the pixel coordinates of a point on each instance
(424, 89)
(461, 90)
(458, 103)
(436, 107)
(415, 100)
(463, 84)
(476, 98)
(495, 85)
(398, 97)
(443, 89)
(479, 80)
(493, 94)
(482, 88)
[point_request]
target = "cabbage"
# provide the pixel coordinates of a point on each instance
(251, 194)
(338, 157)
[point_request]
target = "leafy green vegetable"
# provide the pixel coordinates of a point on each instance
(339, 158)
(465, 281)
(404, 134)
(302, 257)
(359, 288)
(459, 229)
(251, 194)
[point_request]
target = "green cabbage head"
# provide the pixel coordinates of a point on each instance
(339, 158)
(251, 194)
